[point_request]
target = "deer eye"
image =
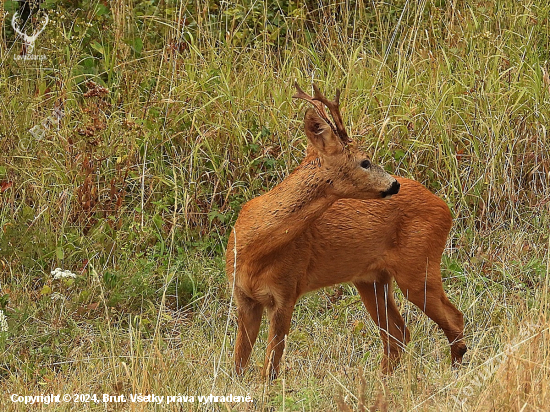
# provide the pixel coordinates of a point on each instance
(365, 164)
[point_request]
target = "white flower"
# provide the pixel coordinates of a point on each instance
(3, 322)
(59, 273)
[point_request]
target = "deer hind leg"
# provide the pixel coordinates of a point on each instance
(279, 326)
(378, 299)
(249, 318)
(425, 290)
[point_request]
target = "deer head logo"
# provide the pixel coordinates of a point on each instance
(28, 40)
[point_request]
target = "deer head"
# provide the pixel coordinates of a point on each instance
(349, 172)
(28, 40)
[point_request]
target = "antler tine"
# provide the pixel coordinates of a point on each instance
(334, 108)
(300, 94)
(337, 97)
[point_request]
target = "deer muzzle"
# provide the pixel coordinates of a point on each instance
(393, 190)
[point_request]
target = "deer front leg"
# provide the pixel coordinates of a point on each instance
(249, 315)
(279, 326)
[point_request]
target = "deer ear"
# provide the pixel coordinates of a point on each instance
(320, 134)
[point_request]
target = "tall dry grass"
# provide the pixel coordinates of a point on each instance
(137, 186)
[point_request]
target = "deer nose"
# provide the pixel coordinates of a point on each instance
(393, 190)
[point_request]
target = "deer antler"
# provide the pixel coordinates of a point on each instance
(300, 94)
(334, 108)
(318, 100)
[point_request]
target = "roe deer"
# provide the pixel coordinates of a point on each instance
(331, 221)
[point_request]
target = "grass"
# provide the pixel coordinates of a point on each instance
(136, 189)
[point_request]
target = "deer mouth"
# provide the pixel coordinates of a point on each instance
(393, 190)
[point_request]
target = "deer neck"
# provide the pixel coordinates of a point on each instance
(276, 218)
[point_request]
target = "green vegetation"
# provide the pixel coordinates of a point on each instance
(172, 114)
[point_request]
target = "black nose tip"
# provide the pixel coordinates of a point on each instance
(393, 190)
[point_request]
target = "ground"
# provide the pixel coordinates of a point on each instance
(130, 141)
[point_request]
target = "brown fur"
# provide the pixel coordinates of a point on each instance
(326, 224)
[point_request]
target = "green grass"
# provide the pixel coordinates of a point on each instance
(137, 189)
